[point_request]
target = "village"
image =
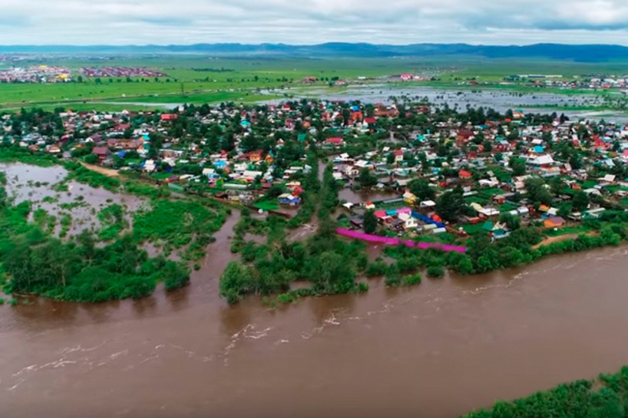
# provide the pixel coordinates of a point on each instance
(36, 74)
(418, 172)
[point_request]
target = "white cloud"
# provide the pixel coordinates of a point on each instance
(307, 22)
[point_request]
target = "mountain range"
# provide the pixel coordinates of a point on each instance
(580, 53)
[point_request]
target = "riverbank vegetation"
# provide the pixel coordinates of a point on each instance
(327, 263)
(90, 265)
(77, 269)
(604, 397)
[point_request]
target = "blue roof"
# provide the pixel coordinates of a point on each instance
(539, 149)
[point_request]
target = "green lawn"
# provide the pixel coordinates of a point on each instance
(507, 207)
(267, 205)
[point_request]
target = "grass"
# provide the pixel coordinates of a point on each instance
(248, 77)
(473, 229)
(507, 207)
(267, 205)
(569, 230)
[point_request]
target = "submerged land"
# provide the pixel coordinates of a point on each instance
(115, 179)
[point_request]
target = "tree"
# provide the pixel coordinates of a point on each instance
(511, 221)
(580, 201)
(538, 192)
(370, 222)
(450, 204)
(366, 178)
(518, 166)
(331, 273)
(565, 210)
(236, 281)
(421, 189)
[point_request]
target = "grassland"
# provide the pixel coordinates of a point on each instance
(200, 79)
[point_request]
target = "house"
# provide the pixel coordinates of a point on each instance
(288, 199)
(167, 117)
(554, 222)
(54, 149)
(398, 156)
(255, 156)
(102, 153)
(465, 175)
(409, 221)
(335, 142)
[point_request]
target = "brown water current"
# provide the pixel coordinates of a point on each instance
(435, 350)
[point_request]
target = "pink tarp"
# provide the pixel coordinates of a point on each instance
(396, 241)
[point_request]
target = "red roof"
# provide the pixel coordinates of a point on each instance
(465, 133)
(100, 151)
(335, 140)
(370, 121)
(465, 174)
(169, 116)
(399, 152)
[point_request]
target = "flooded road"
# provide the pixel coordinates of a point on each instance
(436, 350)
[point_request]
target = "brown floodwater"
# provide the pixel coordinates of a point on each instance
(27, 182)
(359, 197)
(435, 350)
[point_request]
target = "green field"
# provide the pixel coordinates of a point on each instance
(200, 79)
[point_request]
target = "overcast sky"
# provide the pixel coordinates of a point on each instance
(118, 22)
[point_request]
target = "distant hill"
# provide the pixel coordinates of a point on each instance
(581, 53)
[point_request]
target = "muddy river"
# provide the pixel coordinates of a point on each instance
(436, 350)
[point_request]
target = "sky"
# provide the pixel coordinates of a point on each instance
(140, 22)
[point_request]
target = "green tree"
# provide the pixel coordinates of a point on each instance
(367, 179)
(449, 206)
(421, 189)
(538, 192)
(580, 201)
(370, 222)
(518, 166)
(236, 281)
(511, 221)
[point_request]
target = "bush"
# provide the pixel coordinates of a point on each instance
(175, 275)
(435, 271)
(376, 269)
(412, 280)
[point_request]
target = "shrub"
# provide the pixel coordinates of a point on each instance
(435, 271)
(412, 280)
